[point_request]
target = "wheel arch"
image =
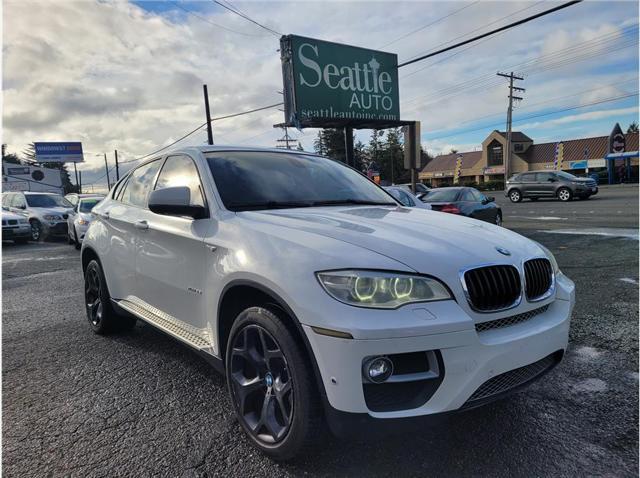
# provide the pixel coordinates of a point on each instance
(240, 294)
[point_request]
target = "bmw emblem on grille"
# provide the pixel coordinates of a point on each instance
(503, 251)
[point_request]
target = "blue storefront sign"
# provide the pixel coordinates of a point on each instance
(59, 152)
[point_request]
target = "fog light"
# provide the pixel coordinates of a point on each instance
(378, 369)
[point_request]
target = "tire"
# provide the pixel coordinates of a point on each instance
(77, 242)
(275, 397)
(515, 195)
(498, 220)
(102, 318)
(36, 230)
(564, 194)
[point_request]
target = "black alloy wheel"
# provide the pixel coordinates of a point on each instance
(93, 294)
(261, 384)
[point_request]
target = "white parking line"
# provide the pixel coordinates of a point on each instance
(598, 231)
(35, 259)
(542, 218)
(628, 280)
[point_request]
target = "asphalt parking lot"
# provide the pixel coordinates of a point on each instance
(142, 404)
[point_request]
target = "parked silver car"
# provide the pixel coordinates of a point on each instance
(47, 212)
(81, 216)
(15, 227)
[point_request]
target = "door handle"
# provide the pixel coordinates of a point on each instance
(142, 225)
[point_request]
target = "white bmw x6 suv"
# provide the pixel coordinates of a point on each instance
(320, 297)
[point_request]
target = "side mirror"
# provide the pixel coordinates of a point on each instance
(490, 199)
(175, 201)
(421, 195)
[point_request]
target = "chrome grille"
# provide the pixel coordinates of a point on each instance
(514, 378)
(492, 288)
(508, 321)
(538, 277)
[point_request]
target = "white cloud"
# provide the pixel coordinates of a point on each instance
(114, 76)
(590, 116)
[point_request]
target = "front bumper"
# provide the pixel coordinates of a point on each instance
(51, 228)
(22, 231)
(469, 358)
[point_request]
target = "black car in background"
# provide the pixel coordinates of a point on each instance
(464, 201)
(549, 184)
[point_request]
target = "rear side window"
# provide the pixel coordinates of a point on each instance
(140, 184)
(403, 197)
(467, 195)
(181, 171)
(544, 177)
(527, 177)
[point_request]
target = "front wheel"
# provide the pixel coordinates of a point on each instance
(564, 194)
(271, 384)
(515, 196)
(36, 230)
(498, 220)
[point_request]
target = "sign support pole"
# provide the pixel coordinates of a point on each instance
(80, 184)
(348, 146)
(208, 113)
(75, 168)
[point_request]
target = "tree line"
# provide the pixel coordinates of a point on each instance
(384, 153)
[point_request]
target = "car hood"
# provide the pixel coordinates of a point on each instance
(12, 215)
(428, 242)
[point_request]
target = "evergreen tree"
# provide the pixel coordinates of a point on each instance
(9, 157)
(330, 143)
(392, 158)
(633, 127)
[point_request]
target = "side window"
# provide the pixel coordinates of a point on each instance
(181, 171)
(467, 195)
(406, 199)
(544, 177)
(527, 177)
(140, 184)
(477, 195)
(6, 200)
(117, 194)
(72, 199)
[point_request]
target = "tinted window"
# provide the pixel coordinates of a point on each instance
(264, 180)
(441, 195)
(527, 177)
(140, 184)
(477, 195)
(467, 195)
(181, 171)
(568, 176)
(544, 177)
(47, 200)
(86, 205)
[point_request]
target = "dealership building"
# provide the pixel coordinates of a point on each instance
(577, 156)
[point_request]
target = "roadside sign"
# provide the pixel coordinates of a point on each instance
(59, 152)
(617, 140)
(330, 82)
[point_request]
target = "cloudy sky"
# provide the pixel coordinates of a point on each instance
(128, 75)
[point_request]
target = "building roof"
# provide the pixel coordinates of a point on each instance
(447, 162)
(577, 149)
(516, 136)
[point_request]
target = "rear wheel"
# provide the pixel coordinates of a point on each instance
(515, 195)
(498, 220)
(100, 313)
(564, 194)
(271, 384)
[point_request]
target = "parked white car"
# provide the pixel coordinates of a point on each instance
(81, 216)
(47, 212)
(318, 295)
(15, 227)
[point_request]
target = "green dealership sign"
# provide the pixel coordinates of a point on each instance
(328, 84)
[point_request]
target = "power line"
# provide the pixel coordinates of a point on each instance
(246, 17)
(427, 25)
(470, 32)
(492, 32)
(233, 115)
(212, 23)
(606, 100)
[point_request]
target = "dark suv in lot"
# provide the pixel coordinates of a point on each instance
(549, 184)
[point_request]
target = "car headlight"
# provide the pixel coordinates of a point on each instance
(552, 259)
(384, 290)
(52, 217)
(83, 222)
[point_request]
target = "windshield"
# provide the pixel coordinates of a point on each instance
(47, 200)
(86, 205)
(251, 180)
(568, 176)
(441, 195)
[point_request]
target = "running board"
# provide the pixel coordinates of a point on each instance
(197, 338)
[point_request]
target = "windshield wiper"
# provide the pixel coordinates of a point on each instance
(249, 206)
(339, 202)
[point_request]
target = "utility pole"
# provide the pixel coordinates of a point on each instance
(117, 168)
(348, 146)
(80, 184)
(283, 142)
(106, 167)
(507, 157)
(208, 113)
(75, 168)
